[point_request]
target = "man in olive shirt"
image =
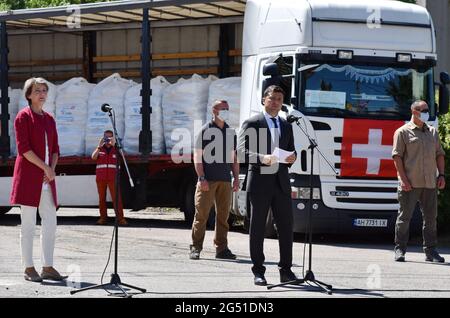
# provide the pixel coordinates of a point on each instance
(419, 160)
(214, 158)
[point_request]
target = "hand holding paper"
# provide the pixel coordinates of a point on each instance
(282, 155)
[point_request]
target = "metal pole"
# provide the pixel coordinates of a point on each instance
(5, 143)
(145, 136)
(226, 42)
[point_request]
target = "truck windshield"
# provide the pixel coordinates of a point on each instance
(365, 91)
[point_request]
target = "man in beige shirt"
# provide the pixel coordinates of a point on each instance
(419, 160)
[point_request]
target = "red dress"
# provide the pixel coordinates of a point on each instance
(28, 178)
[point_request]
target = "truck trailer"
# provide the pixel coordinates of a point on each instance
(350, 69)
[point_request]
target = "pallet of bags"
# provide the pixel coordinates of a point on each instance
(109, 91)
(133, 117)
(184, 105)
(71, 115)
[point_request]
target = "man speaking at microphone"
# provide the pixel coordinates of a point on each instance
(268, 183)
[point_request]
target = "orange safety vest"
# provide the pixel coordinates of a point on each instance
(106, 165)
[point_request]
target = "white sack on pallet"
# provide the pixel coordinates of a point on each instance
(71, 115)
(184, 105)
(228, 89)
(109, 91)
(133, 117)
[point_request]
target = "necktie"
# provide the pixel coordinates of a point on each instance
(275, 132)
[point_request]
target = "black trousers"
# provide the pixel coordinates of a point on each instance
(281, 205)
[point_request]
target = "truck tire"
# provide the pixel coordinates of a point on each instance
(189, 204)
(4, 209)
(189, 208)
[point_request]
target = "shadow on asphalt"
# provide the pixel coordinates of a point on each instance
(371, 241)
(14, 220)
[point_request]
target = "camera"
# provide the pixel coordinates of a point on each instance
(106, 139)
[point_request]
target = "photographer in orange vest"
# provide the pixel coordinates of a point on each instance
(106, 156)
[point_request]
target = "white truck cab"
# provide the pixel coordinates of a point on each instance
(351, 70)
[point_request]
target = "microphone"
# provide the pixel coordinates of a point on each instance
(292, 118)
(106, 108)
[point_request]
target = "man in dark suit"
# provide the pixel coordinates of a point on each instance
(268, 184)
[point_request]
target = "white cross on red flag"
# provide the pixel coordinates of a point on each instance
(367, 147)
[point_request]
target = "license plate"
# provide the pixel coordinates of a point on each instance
(370, 222)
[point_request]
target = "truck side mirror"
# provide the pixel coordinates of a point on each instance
(270, 69)
(445, 78)
(443, 93)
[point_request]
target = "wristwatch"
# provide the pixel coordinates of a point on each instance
(201, 178)
(441, 175)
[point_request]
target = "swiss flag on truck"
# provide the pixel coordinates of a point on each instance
(367, 148)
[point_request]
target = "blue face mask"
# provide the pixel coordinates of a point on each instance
(424, 117)
(224, 114)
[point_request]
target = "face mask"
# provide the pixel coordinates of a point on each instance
(424, 117)
(224, 115)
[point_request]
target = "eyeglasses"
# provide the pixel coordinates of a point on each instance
(422, 110)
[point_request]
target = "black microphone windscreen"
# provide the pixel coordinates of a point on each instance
(106, 108)
(292, 118)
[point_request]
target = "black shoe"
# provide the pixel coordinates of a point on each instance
(194, 253)
(225, 254)
(431, 255)
(260, 280)
(286, 275)
(399, 255)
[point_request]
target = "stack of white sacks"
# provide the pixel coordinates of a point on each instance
(71, 114)
(228, 89)
(110, 91)
(184, 106)
(13, 108)
(133, 117)
(49, 105)
(178, 111)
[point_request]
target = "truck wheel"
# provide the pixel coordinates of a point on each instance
(189, 204)
(231, 220)
(4, 209)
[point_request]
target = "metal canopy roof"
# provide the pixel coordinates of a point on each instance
(117, 12)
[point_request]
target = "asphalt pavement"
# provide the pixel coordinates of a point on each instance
(153, 254)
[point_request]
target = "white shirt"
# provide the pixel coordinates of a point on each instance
(45, 186)
(271, 124)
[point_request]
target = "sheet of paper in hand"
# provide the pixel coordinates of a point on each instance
(281, 154)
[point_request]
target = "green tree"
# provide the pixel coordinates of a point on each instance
(444, 195)
(23, 4)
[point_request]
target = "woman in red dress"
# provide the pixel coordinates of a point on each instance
(33, 183)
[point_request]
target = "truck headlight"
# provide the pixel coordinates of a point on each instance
(303, 193)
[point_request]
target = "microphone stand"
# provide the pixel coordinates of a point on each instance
(115, 278)
(309, 277)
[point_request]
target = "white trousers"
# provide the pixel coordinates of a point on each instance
(47, 211)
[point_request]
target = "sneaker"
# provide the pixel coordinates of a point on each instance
(102, 221)
(225, 254)
(194, 253)
(399, 255)
(431, 255)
